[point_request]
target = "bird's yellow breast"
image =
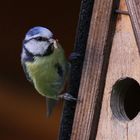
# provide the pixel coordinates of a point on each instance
(45, 76)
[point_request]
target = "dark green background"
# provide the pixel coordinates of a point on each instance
(22, 110)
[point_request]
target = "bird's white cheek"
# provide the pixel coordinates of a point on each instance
(37, 48)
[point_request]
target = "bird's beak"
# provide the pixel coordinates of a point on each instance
(55, 44)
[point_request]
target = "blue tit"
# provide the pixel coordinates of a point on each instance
(45, 64)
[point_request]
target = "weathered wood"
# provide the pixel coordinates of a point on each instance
(124, 61)
(94, 71)
(76, 68)
(134, 10)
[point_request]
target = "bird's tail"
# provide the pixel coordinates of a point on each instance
(51, 103)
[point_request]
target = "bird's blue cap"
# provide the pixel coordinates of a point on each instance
(35, 31)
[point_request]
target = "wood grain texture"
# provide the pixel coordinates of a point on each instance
(134, 10)
(76, 68)
(93, 74)
(124, 62)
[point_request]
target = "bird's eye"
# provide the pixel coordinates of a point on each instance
(41, 38)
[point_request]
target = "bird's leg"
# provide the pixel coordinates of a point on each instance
(68, 97)
(122, 12)
(74, 56)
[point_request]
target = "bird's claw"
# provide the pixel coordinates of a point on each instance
(67, 97)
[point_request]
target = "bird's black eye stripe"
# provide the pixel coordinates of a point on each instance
(41, 38)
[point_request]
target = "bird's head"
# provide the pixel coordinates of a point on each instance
(39, 42)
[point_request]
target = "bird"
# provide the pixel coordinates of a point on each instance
(45, 65)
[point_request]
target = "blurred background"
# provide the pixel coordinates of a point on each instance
(22, 110)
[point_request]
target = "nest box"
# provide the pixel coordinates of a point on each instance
(109, 88)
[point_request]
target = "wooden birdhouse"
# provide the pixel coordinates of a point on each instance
(109, 90)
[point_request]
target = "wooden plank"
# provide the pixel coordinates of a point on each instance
(94, 71)
(76, 68)
(134, 10)
(124, 61)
